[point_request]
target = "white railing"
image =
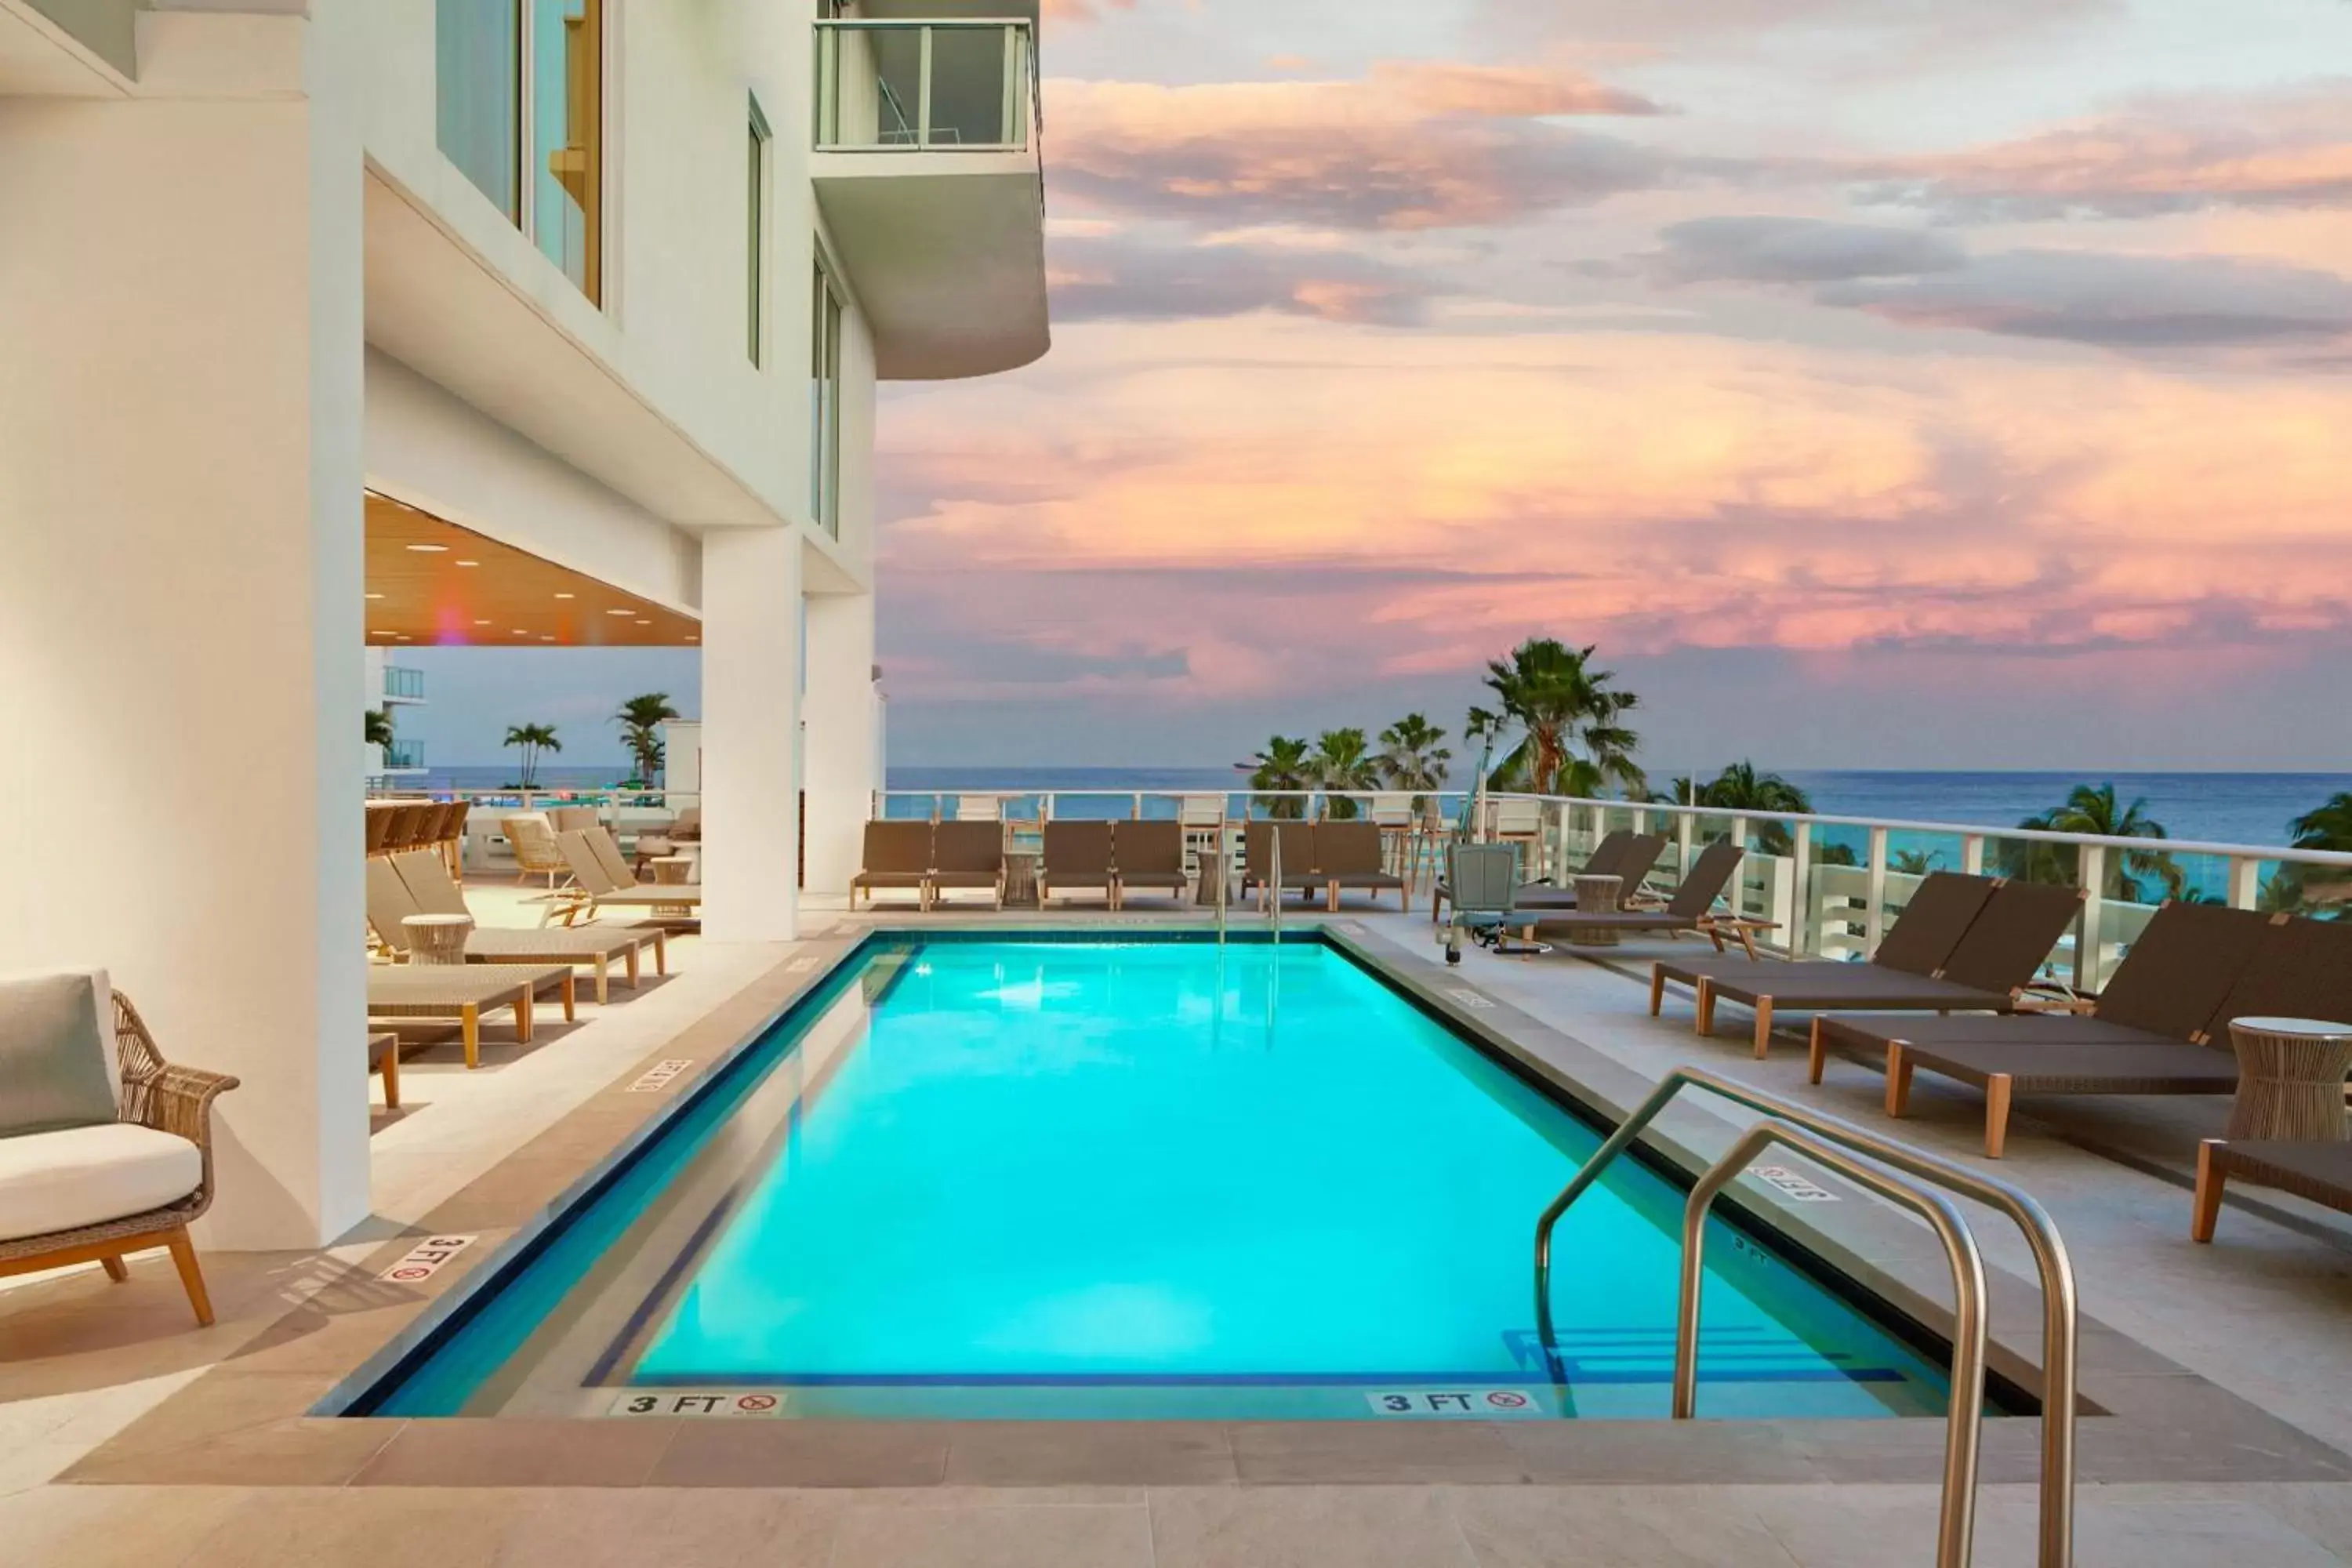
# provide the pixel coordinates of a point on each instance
(926, 84)
(1831, 884)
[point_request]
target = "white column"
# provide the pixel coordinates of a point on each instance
(843, 720)
(180, 607)
(751, 733)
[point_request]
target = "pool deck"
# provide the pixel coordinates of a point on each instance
(2221, 1373)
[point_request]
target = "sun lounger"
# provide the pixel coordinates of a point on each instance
(416, 883)
(2166, 992)
(1690, 910)
(1627, 856)
(898, 857)
(2294, 968)
(2320, 1173)
(1077, 855)
(383, 1057)
(2010, 929)
(1350, 856)
(1149, 857)
(591, 854)
(1297, 859)
(465, 992)
(968, 856)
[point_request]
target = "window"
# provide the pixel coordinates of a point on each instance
(825, 405)
(519, 109)
(755, 220)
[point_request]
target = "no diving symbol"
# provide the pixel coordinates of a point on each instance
(1506, 1399)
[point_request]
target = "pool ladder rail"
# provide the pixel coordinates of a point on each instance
(1879, 1164)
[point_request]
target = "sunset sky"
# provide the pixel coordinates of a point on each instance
(1879, 382)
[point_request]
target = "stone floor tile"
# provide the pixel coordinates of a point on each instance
(1141, 1453)
(1613, 1527)
(804, 1454)
(111, 1527)
(994, 1536)
(518, 1453)
(1306, 1527)
(702, 1529)
(365, 1528)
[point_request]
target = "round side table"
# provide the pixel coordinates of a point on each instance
(2290, 1079)
(437, 939)
(1598, 896)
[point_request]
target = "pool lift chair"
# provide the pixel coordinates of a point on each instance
(1486, 882)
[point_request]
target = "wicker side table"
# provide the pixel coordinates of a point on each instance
(1598, 896)
(437, 939)
(2290, 1079)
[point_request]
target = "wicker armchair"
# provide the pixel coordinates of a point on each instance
(166, 1098)
(535, 850)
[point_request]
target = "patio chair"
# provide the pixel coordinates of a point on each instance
(1691, 909)
(452, 836)
(418, 884)
(1353, 857)
(897, 857)
(407, 819)
(1297, 859)
(2005, 930)
(465, 992)
(106, 1148)
(2292, 967)
(566, 819)
(596, 884)
(536, 853)
(1076, 855)
(1149, 857)
(968, 856)
(379, 827)
(2319, 1173)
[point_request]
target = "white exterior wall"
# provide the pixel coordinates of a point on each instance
(179, 294)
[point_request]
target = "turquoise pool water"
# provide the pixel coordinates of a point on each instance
(1151, 1179)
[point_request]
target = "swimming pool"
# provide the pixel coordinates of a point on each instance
(1130, 1179)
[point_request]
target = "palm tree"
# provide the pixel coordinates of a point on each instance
(532, 739)
(1914, 862)
(1343, 763)
(1741, 791)
(2290, 889)
(2093, 811)
(1576, 740)
(1284, 764)
(1412, 755)
(379, 727)
(641, 718)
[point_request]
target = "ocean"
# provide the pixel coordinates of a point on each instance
(2212, 807)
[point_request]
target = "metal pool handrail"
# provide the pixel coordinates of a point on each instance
(2057, 1273)
(1964, 1415)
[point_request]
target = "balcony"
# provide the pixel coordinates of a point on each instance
(405, 757)
(403, 686)
(926, 167)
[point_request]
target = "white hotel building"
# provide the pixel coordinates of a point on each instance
(357, 324)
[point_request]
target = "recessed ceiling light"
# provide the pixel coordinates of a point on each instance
(620, 612)
(567, 595)
(645, 623)
(547, 639)
(376, 596)
(481, 622)
(469, 563)
(520, 632)
(400, 636)
(430, 549)
(692, 637)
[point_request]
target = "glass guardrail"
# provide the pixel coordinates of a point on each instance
(924, 86)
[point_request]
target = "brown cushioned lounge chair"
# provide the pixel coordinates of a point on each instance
(2295, 968)
(2321, 1172)
(1149, 856)
(897, 858)
(1690, 910)
(2011, 931)
(2164, 994)
(416, 883)
(1352, 855)
(1297, 859)
(1077, 855)
(968, 856)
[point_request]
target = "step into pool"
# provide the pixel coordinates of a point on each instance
(1164, 1179)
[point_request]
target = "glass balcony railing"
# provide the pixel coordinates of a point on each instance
(408, 684)
(404, 756)
(924, 86)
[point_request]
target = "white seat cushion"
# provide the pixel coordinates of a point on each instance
(85, 1175)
